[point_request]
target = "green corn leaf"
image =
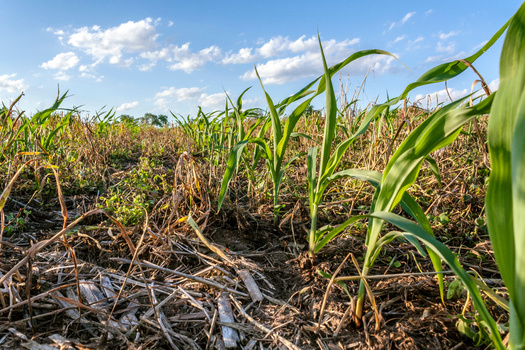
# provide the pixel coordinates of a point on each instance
(505, 200)
(432, 164)
(231, 165)
(414, 230)
(437, 131)
(276, 123)
(331, 115)
(289, 126)
(235, 157)
(438, 74)
(300, 134)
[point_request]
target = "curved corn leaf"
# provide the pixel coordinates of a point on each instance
(438, 74)
(331, 115)
(432, 164)
(438, 130)
(231, 165)
(233, 161)
(505, 199)
(414, 230)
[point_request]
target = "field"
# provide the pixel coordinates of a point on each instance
(394, 225)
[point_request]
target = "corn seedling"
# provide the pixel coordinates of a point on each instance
(318, 182)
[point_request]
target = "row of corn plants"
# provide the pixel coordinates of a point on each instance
(505, 195)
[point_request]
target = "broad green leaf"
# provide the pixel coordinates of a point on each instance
(403, 168)
(414, 230)
(231, 165)
(505, 200)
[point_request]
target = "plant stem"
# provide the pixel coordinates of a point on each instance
(359, 306)
(313, 229)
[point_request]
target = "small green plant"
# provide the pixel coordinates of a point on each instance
(134, 195)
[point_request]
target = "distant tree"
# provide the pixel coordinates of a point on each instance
(309, 110)
(127, 119)
(163, 120)
(160, 120)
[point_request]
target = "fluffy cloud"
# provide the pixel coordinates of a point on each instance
(7, 83)
(306, 62)
(444, 36)
(128, 105)
(244, 55)
(62, 61)
(442, 95)
(446, 48)
(280, 71)
(112, 43)
(62, 76)
(194, 61)
(181, 57)
(403, 20)
(213, 101)
(180, 94)
(279, 46)
(397, 39)
(171, 95)
(414, 44)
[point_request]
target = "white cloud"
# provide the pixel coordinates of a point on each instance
(171, 95)
(180, 94)
(194, 61)
(280, 71)
(170, 24)
(62, 76)
(243, 56)
(418, 39)
(213, 101)
(433, 58)
(62, 61)
(181, 57)
(407, 17)
(280, 46)
(403, 20)
(444, 36)
(494, 85)
(128, 105)
(413, 44)
(113, 42)
(398, 39)
(7, 83)
(446, 49)
(98, 79)
(480, 45)
(429, 12)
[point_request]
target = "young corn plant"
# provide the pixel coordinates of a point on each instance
(274, 156)
(439, 130)
(505, 195)
(318, 182)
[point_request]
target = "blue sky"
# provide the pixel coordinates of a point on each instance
(161, 56)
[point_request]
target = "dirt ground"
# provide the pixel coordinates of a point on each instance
(193, 277)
